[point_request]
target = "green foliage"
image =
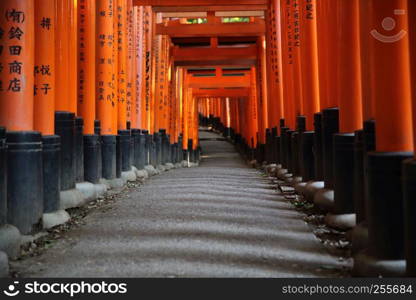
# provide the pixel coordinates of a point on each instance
(236, 20)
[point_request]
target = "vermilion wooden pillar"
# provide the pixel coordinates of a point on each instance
(309, 61)
(274, 52)
(104, 60)
(296, 53)
(23, 207)
(409, 169)
(131, 69)
(105, 84)
(72, 56)
(350, 110)
(288, 62)
(121, 56)
(389, 45)
(86, 64)
(62, 55)
(262, 97)
(44, 88)
(310, 88)
(365, 138)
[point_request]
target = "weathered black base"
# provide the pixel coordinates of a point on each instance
(65, 128)
(307, 159)
(409, 192)
(92, 146)
(79, 149)
(343, 173)
(51, 167)
(24, 181)
(125, 147)
(385, 213)
(109, 156)
(330, 126)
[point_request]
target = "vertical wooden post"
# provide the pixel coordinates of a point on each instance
(409, 168)
(121, 56)
(288, 62)
(104, 56)
(24, 155)
(309, 61)
(62, 55)
(44, 89)
(73, 56)
(389, 46)
(87, 64)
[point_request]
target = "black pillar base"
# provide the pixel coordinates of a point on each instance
(97, 131)
(330, 126)
(409, 192)
(274, 146)
(343, 173)
(65, 128)
(142, 152)
(79, 149)
(289, 150)
(359, 178)
(25, 181)
(51, 167)
(283, 147)
(307, 160)
(125, 148)
(135, 150)
(119, 156)
(318, 148)
(295, 149)
(158, 145)
(179, 157)
(109, 156)
(148, 142)
(92, 146)
(385, 217)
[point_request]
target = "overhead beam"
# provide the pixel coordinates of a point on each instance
(224, 93)
(223, 63)
(223, 29)
(208, 8)
(248, 13)
(219, 82)
(181, 3)
(209, 54)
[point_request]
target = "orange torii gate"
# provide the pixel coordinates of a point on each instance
(91, 89)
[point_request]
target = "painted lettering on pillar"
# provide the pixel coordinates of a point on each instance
(105, 58)
(43, 72)
(289, 32)
(81, 51)
(274, 45)
(13, 33)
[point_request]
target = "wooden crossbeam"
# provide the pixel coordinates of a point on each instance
(219, 82)
(208, 8)
(257, 28)
(209, 54)
(181, 3)
(225, 93)
(244, 63)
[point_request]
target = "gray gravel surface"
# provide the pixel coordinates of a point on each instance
(221, 219)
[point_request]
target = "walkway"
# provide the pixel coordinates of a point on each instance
(221, 219)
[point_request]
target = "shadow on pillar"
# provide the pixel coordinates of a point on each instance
(9, 235)
(365, 142)
(385, 253)
(324, 198)
(25, 181)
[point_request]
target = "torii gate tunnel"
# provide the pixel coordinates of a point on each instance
(93, 92)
